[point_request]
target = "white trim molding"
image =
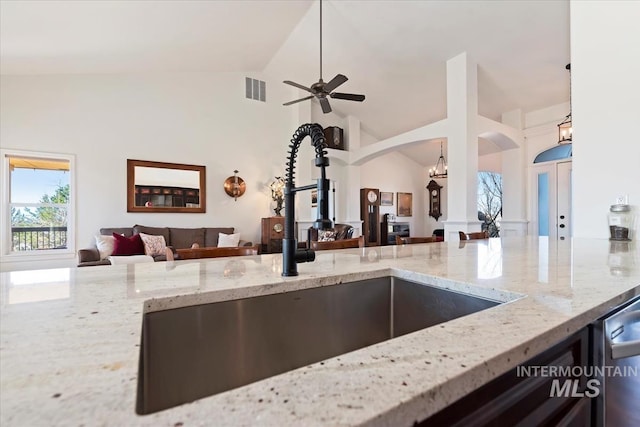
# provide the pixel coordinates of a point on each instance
(516, 227)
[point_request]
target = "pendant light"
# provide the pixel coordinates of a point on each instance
(440, 169)
(565, 128)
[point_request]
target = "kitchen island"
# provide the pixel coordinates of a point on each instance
(70, 338)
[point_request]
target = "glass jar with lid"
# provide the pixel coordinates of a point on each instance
(621, 222)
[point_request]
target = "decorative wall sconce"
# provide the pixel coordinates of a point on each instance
(234, 186)
(277, 194)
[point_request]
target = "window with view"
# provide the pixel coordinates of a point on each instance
(38, 198)
(490, 202)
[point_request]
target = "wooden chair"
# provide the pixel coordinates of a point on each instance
(412, 240)
(473, 236)
(356, 242)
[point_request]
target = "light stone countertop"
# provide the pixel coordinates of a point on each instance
(70, 337)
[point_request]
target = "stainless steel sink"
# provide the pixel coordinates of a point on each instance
(194, 352)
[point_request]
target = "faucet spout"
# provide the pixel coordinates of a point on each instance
(291, 255)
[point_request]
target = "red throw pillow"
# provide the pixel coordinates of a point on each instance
(128, 245)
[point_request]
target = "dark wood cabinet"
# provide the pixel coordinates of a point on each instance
(272, 234)
(394, 229)
(334, 137)
(166, 196)
(519, 397)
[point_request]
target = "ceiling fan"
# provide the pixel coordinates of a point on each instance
(322, 90)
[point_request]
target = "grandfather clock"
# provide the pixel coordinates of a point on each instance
(369, 214)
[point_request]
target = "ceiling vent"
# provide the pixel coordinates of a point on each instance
(255, 89)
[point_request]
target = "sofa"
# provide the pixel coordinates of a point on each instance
(174, 237)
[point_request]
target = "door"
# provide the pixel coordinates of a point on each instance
(551, 200)
(563, 212)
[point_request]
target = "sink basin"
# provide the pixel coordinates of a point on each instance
(193, 352)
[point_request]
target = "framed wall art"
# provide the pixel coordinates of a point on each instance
(405, 203)
(386, 199)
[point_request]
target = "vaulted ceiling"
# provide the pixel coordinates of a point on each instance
(395, 52)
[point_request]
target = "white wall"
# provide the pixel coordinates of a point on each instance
(490, 163)
(194, 118)
(197, 118)
(605, 66)
(395, 172)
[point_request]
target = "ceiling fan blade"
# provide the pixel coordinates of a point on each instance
(347, 96)
(335, 82)
(324, 103)
(299, 86)
(298, 100)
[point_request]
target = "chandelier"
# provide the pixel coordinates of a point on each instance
(440, 169)
(565, 128)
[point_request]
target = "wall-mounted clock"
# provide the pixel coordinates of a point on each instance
(433, 189)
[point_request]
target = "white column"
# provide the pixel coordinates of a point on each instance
(350, 196)
(514, 222)
(462, 146)
(605, 66)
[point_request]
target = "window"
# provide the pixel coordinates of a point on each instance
(557, 152)
(490, 202)
(38, 203)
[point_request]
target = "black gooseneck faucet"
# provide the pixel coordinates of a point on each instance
(291, 255)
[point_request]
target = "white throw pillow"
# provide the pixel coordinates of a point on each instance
(228, 240)
(105, 245)
(153, 245)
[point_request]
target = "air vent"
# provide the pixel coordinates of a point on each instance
(255, 89)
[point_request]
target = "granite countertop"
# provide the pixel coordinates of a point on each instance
(70, 337)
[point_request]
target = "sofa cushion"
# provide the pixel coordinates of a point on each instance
(127, 245)
(105, 245)
(211, 235)
(326, 235)
(153, 245)
(228, 240)
(123, 231)
(183, 238)
(154, 231)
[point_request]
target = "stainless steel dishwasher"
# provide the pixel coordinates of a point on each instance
(617, 341)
